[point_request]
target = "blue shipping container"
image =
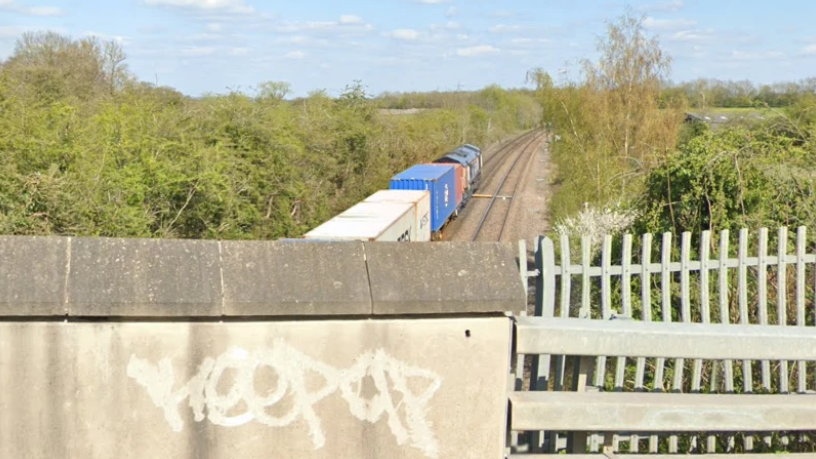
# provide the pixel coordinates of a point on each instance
(440, 180)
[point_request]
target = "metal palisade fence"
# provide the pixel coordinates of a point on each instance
(762, 278)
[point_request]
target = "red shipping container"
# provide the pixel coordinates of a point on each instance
(461, 183)
(461, 179)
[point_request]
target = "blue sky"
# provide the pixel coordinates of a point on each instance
(199, 46)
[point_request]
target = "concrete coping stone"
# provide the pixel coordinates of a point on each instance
(444, 278)
(166, 278)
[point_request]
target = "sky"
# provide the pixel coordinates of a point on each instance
(214, 46)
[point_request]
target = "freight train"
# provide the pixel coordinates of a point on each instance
(418, 205)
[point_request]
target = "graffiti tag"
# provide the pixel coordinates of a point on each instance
(292, 367)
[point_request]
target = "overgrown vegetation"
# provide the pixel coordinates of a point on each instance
(622, 143)
(610, 129)
(86, 149)
(627, 162)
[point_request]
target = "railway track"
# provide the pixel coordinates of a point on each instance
(493, 223)
(395, 216)
(490, 162)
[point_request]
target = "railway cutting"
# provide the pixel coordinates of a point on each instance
(465, 194)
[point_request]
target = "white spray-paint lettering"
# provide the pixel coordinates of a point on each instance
(291, 367)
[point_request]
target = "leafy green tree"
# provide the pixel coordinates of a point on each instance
(732, 179)
(610, 130)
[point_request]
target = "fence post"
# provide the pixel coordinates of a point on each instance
(577, 441)
(544, 307)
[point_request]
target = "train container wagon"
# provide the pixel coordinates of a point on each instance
(421, 200)
(369, 221)
(461, 181)
(440, 180)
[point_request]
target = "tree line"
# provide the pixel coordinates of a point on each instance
(87, 149)
(705, 93)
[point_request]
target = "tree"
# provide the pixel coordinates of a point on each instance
(629, 72)
(610, 127)
(55, 67)
(544, 88)
(113, 65)
(274, 90)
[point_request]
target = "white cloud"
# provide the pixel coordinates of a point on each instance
(758, 55)
(390, 61)
(214, 27)
(346, 22)
(667, 24)
(693, 35)
(452, 12)
(350, 19)
(699, 52)
(525, 41)
(668, 5)
(404, 34)
(302, 41)
(232, 6)
(102, 36)
(807, 40)
(239, 51)
(502, 28)
(13, 6)
(476, 51)
(152, 29)
(204, 37)
(43, 11)
(297, 39)
(810, 49)
(431, 2)
(301, 26)
(450, 25)
(7, 32)
(198, 51)
(13, 32)
(298, 55)
(502, 14)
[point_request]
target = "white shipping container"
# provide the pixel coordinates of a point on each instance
(421, 200)
(369, 221)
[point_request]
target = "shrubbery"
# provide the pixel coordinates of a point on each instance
(85, 149)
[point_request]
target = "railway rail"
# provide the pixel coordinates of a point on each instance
(493, 223)
(504, 150)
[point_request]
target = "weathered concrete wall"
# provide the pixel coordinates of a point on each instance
(168, 348)
(373, 388)
(102, 277)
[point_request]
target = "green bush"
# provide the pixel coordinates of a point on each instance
(116, 157)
